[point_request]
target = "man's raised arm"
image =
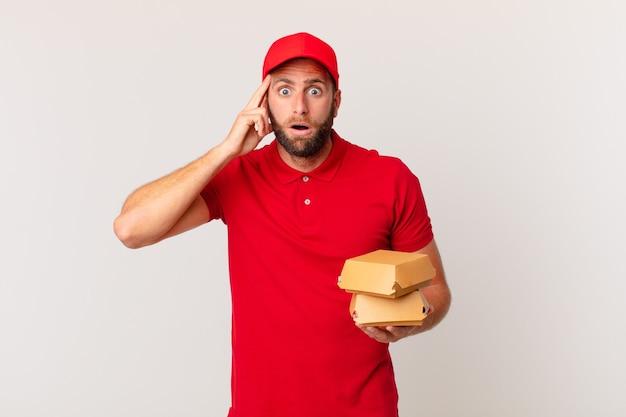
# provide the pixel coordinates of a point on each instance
(172, 204)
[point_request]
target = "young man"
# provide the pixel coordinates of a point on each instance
(296, 209)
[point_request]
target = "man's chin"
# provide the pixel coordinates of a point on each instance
(301, 142)
(300, 146)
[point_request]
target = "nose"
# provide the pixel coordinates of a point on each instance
(300, 105)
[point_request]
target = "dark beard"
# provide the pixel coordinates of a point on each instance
(304, 146)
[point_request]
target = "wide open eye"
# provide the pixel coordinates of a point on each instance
(315, 91)
(284, 91)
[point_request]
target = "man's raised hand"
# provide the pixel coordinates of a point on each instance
(252, 123)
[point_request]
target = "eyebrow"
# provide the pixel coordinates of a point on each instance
(308, 81)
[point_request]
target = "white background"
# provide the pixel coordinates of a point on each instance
(512, 113)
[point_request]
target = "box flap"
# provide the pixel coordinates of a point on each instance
(386, 273)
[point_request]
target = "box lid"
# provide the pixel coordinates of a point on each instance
(386, 273)
(409, 310)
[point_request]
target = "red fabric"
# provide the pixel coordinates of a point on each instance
(301, 45)
(296, 350)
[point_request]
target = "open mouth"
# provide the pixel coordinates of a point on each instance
(299, 127)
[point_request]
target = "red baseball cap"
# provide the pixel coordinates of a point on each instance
(301, 45)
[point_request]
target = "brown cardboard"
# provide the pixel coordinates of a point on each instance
(386, 273)
(409, 310)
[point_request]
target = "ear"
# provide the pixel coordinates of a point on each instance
(337, 100)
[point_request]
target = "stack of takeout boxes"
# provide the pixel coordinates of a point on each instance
(385, 287)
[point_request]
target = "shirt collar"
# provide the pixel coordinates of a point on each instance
(325, 172)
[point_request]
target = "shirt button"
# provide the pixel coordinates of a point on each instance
(307, 201)
(305, 179)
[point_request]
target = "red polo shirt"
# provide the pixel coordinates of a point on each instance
(296, 350)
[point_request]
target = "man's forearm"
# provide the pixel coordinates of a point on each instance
(153, 209)
(438, 296)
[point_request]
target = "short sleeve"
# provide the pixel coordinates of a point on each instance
(412, 229)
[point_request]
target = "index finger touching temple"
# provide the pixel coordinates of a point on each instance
(259, 95)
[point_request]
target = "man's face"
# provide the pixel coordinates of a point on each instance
(302, 104)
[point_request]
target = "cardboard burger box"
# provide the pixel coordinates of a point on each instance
(385, 287)
(408, 310)
(386, 273)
